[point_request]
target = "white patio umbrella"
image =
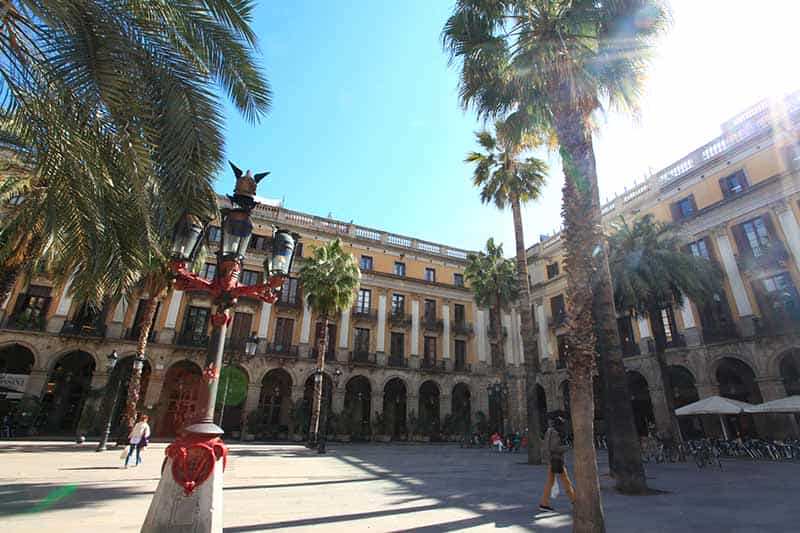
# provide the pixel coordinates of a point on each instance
(714, 405)
(790, 404)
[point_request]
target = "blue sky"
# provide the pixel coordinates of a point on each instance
(366, 125)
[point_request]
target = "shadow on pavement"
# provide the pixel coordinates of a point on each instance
(32, 498)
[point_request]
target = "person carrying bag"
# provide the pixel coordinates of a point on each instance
(553, 452)
(137, 440)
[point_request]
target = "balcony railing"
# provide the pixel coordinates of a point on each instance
(773, 256)
(83, 330)
(192, 339)
(26, 323)
(721, 332)
(462, 327)
(677, 341)
(364, 313)
(290, 303)
(558, 320)
(363, 357)
(432, 364)
(330, 354)
(132, 334)
(397, 361)
(400, 319)
(462, 366)
(282, 350)
(777, 324)
(432, 324)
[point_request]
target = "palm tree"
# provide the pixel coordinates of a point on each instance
(330, 278)
(109, 101)
(650, 272)
(506, 177)
(560, 62)
(495, 286)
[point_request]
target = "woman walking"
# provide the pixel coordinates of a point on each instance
(553, 452)
(137, 439)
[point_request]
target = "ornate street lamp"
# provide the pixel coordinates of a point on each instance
(111, 394)
(318, 378)
(251, 345)
(195, 455)
(500, 391)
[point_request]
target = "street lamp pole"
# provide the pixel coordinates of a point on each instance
(110, 401)
(196, 460)
(319, 377)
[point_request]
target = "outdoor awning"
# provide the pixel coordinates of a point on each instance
(790, 404)
(714, 405)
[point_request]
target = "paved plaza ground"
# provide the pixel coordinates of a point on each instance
(60, 486)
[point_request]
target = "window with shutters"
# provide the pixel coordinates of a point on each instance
(399, 269)
(366, 263)
(31, 308)
(552, 270)
(398, 304)
(430, 274)
(699, 248)
(460, 349)
(195, 326)
(683, 208)
(214, 234)
(779, 301)
(429, 314)
(557, 310)
(397, 345)
(284, 327)
(249, 277)
(458, 280)
(289, 292)
(364, 301)
(361, 340)
(756, 236)
(459, 313)
(208, 271)
(733, 184)
(430, 351)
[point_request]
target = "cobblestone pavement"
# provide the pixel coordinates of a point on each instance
(60, 486)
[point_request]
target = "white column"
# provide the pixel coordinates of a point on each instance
(687, 314)
(119, 311)
(66, 299)
(734, 278)
(172, 310)
(509, 338)
(344, 328)
(414, 328)
(305, 325)
(381, 346)
(792, 231)
(544, 333)
(644, 327)
(446, 332)
(480, 335)
(263, 322)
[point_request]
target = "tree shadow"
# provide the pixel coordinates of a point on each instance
(33, 498)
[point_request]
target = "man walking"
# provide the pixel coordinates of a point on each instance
(553, 452)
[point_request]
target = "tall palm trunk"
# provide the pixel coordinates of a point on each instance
(135, 383)
(588, 517)
(316, 409)
(500, 363)
(530, 348)
(8, 279)
(10, 275)
(660, 337)
(577, 152)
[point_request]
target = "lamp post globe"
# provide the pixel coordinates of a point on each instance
(280, 261)
(251, 346)
(186, 239)
(236, 232)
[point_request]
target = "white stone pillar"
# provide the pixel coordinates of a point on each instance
(508, 340)
(690, 333)
(545, 351)
(381, 339)
(64, 303)
(644, 333)
(305, 329)
(344, 337)
(446, 335)
(414, 329)
(167, 335)
(791, 230)
(740, 298)
(263, 326)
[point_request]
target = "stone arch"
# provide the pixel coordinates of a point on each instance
(357, 406)
(789, 371)
(183, 397)
(327, 397)
(275, 403)
(390, 377)
(395, 398)
(640, 401)
(295, 377)
(99, 362)
(684, 390)
(713, 365)
(67, 390)
(737, 380)
(120, 378)
(429, 408)
(7, 354)
(461, 408)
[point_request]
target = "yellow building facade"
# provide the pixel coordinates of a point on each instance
(736, 201)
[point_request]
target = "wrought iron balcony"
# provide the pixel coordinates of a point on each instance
(432, 365)
(777, 324)
(192, 339)
(362, 357)
(364, 313)
(773, 256)
(462, 366)
(720, 332)
(92, 329)
(330, 353)
(400, 319)
(282, 350)
(397, 361)
(132, 334)
(432, 324)
(24, 322)
(462, 327)
(290, 303)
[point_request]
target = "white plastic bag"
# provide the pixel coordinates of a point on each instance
(555, 490)
(124, 453)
